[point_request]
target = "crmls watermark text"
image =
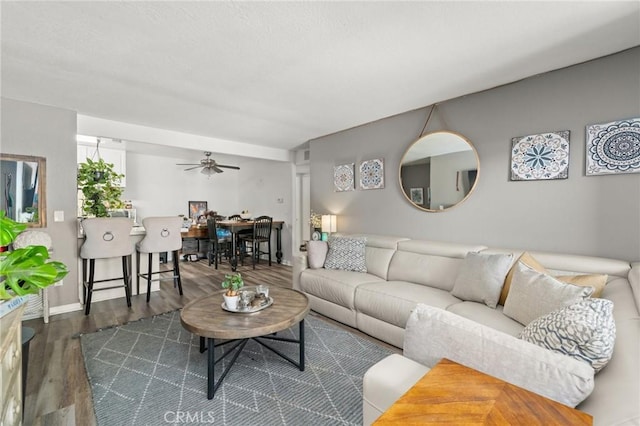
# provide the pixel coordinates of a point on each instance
(188, 417)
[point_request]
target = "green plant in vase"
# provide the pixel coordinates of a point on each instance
(100, 186)
(25, 270)
(233, 283)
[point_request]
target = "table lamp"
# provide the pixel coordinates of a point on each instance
(329, 225)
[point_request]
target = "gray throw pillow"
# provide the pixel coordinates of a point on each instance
(316, 253)
(585, 331)
(346, 253)
(481, 277)
(534, 294)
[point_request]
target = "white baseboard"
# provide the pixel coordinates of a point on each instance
(63, 309)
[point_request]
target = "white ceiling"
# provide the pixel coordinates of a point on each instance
(277, 74)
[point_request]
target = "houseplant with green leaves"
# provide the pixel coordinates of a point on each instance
(233, 283)
(25, 270)
(100, 186)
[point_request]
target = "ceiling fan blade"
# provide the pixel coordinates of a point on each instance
(229, 167)
(187, 164)
(218, 170)
(191, 168)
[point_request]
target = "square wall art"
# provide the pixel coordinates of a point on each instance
(543, 156)
(372, 174)
(613, 147)
(344, 177)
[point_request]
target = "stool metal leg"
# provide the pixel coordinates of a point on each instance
(84, 281)
(126, 276)
(149, 277)
(87, 304)
(137, 271)
(176, 271)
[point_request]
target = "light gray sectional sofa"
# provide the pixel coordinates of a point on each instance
(402, 273)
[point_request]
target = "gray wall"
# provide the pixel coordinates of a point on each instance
(43, 131)
(595, 215)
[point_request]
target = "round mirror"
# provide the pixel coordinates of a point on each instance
(439, 171)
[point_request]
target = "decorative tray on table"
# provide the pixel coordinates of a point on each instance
(256, 303)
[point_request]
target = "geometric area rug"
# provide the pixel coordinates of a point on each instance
(150, 372)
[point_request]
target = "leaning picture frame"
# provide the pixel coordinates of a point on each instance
(417, 195)
(197, 209)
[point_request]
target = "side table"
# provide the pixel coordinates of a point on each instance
(451, 393)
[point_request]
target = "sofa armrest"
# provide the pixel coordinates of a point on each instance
(432, 334)
(634, 280)
(299, 265)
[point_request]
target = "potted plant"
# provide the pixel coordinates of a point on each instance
(100, 186)
(233, 283)
(25, 270)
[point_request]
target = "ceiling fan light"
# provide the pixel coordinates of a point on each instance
(207, 171)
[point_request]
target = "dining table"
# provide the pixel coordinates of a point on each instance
(201, 232)
(235, 226)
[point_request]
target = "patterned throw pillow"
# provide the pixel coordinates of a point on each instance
(346, 253)
(585, 331)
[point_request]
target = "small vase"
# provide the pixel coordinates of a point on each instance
(231, 302)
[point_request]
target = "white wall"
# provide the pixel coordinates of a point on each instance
(262, 185)
(44, 131)
(591, 215)
(158, 187)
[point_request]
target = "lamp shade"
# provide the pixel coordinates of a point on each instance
(208, 171)
(329, 223)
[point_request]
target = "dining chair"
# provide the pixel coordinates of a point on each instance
(261, 234)
(242, 249)
(105, 237)
(162, 234)
(218, 242)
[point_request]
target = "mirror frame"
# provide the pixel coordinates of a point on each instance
(41, 184)
(421, 138)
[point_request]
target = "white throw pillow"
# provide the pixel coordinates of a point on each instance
(316, 253)
(432, 334)
(534, 294)
(347, 253)
(481, 277)
(585, 331)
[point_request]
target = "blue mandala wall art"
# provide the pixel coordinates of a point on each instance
(344, 177)
(372, 174)
(613, 147)
(543, 156)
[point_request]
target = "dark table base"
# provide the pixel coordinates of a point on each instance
(239, 344)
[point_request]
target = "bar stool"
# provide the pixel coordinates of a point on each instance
(105, 237)
(162, 235)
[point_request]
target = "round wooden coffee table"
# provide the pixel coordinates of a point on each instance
(206, 318)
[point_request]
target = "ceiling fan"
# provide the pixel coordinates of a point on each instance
(209, 165)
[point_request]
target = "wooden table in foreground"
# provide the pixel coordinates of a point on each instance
(454, 394)
(206, 318)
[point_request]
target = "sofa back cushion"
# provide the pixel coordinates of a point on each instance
(432, 334)
(431, 263)
(379, 250)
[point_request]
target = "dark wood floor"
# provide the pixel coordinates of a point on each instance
(58, 391)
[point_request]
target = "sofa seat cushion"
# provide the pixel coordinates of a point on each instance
(393, 301)
(334, 285)
(494, 318)
(617, 384)
(387, 381)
